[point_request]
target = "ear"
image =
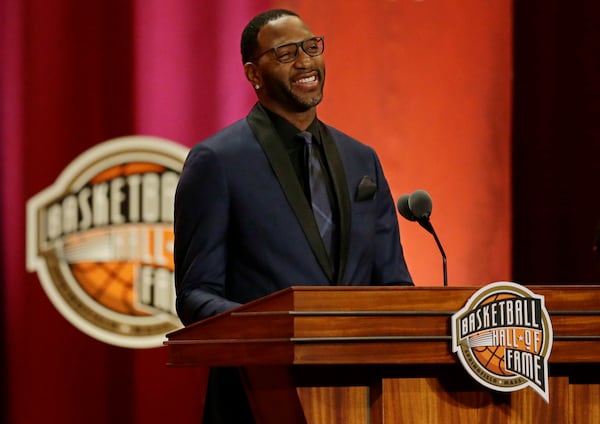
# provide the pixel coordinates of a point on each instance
(253, 74)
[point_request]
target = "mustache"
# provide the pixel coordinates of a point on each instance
(319, 71)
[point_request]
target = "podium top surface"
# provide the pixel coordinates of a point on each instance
(394, 300)
(321, 325)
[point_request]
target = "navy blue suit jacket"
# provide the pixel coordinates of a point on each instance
(244, 228)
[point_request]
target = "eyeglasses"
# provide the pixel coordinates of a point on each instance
(287, 53)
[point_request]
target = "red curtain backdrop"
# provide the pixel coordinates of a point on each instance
(427, 83)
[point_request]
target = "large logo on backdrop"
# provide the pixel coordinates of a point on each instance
(503, 337)
(101, 240)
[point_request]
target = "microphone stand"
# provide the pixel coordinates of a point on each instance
(425, 223)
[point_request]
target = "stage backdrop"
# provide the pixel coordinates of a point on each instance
(426, 83)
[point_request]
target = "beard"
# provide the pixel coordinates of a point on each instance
(285, 95)
(303, 103)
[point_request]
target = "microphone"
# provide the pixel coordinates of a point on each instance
(417, 206)
(404, 209)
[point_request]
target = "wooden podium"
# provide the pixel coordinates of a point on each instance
(373, 355)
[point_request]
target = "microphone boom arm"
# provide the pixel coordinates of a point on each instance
(425, 223)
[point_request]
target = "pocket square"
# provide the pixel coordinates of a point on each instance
(366, 189)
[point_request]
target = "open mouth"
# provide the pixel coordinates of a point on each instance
(308, 82)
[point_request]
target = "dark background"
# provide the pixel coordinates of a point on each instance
(556, 141)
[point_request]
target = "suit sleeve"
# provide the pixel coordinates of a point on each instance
(201, 221)
(390, 266)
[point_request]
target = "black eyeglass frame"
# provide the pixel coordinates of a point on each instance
(299, 44)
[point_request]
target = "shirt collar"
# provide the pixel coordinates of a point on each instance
(288, 131)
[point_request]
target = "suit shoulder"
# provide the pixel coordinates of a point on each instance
(231, 137)
(344, 140)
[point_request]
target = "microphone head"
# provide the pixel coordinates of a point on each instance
(420, 204)
(404, 209)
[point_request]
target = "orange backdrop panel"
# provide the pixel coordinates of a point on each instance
(428, 84)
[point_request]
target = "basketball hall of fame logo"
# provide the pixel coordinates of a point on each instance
(503, 338)
(101, 240)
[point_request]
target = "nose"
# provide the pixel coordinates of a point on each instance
(302, 59)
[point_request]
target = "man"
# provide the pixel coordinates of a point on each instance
(245, 223)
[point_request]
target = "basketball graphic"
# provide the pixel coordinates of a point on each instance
(492, 358)
(109, 283)
(101, 240)
(503, 337)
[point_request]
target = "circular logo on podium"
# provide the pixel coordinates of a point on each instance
(503, 338)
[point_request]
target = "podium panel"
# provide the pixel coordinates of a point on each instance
(382, 355)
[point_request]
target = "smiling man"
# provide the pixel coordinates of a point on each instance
(279, 199)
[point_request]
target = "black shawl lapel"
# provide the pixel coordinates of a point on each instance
(279, 160)
(340, 186)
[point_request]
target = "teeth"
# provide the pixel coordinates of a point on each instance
(309, 79)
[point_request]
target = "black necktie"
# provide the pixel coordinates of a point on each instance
(320, 203)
